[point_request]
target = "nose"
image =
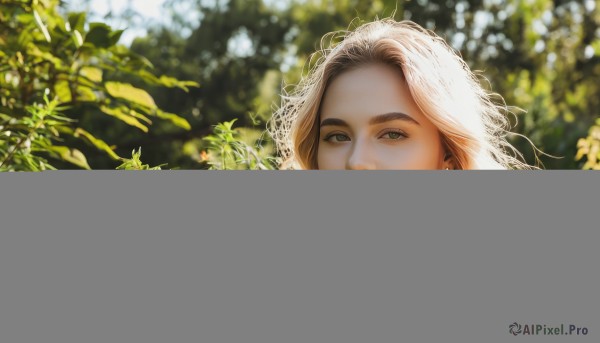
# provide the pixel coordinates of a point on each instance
(360, 158)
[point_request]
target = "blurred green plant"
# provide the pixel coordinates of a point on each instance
(588, 148)
(23, 137)
(135, 162)
(50, 64)
(227, 150)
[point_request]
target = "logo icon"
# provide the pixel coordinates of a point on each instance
(515, 328)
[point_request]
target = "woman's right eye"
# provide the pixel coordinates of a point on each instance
(337, 137)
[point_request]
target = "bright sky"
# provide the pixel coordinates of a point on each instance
(150, 10)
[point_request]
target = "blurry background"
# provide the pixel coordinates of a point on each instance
(540, 55)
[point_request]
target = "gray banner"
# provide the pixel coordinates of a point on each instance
(227, 257)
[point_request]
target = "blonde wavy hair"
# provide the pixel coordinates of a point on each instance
(472, 126)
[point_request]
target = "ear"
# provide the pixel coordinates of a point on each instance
(448, 162)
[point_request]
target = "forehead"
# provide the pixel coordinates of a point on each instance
(361, 93)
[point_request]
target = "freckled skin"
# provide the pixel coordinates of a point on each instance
(357, 96)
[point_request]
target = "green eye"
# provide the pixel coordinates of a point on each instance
(338, 137)
(394, 135)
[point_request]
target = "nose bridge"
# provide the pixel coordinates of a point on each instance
(359, 156)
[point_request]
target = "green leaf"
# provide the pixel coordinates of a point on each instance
(24, 39)
(115, 36)
(172, 82)
(130, 93)
(168, 81)
(149, 77)
(92, 73)
(123, 55)
(71, 155)
(35, 51)
(175, 119)
(98, 143)
(41, 25)
(99, 35)
(77, 38)
(85, 94)
(138, 115)
(63, 91)
(77, 21)
(119, 113)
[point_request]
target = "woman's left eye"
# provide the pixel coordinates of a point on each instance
(393, 135)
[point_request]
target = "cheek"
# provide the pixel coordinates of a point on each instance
(325, 158)
(421, 155)
(332, 158)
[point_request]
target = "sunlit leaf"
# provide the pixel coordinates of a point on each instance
(92, 73)
(35, 51)
(138, 115)
(172, 82)
(73, 156)
(120, 114)
(85, 94)
(130, 93)
(98, 143)
(63, 91)
(41, 25)
(175, 119)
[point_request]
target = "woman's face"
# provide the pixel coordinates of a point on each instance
(370, 121)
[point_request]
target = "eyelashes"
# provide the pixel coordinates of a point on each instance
(340, 137)
(394, 134)
(390, 135)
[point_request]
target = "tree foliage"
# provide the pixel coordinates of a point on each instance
(59, 81)
(235, 53)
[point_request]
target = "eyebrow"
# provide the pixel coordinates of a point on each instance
(379, 119)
